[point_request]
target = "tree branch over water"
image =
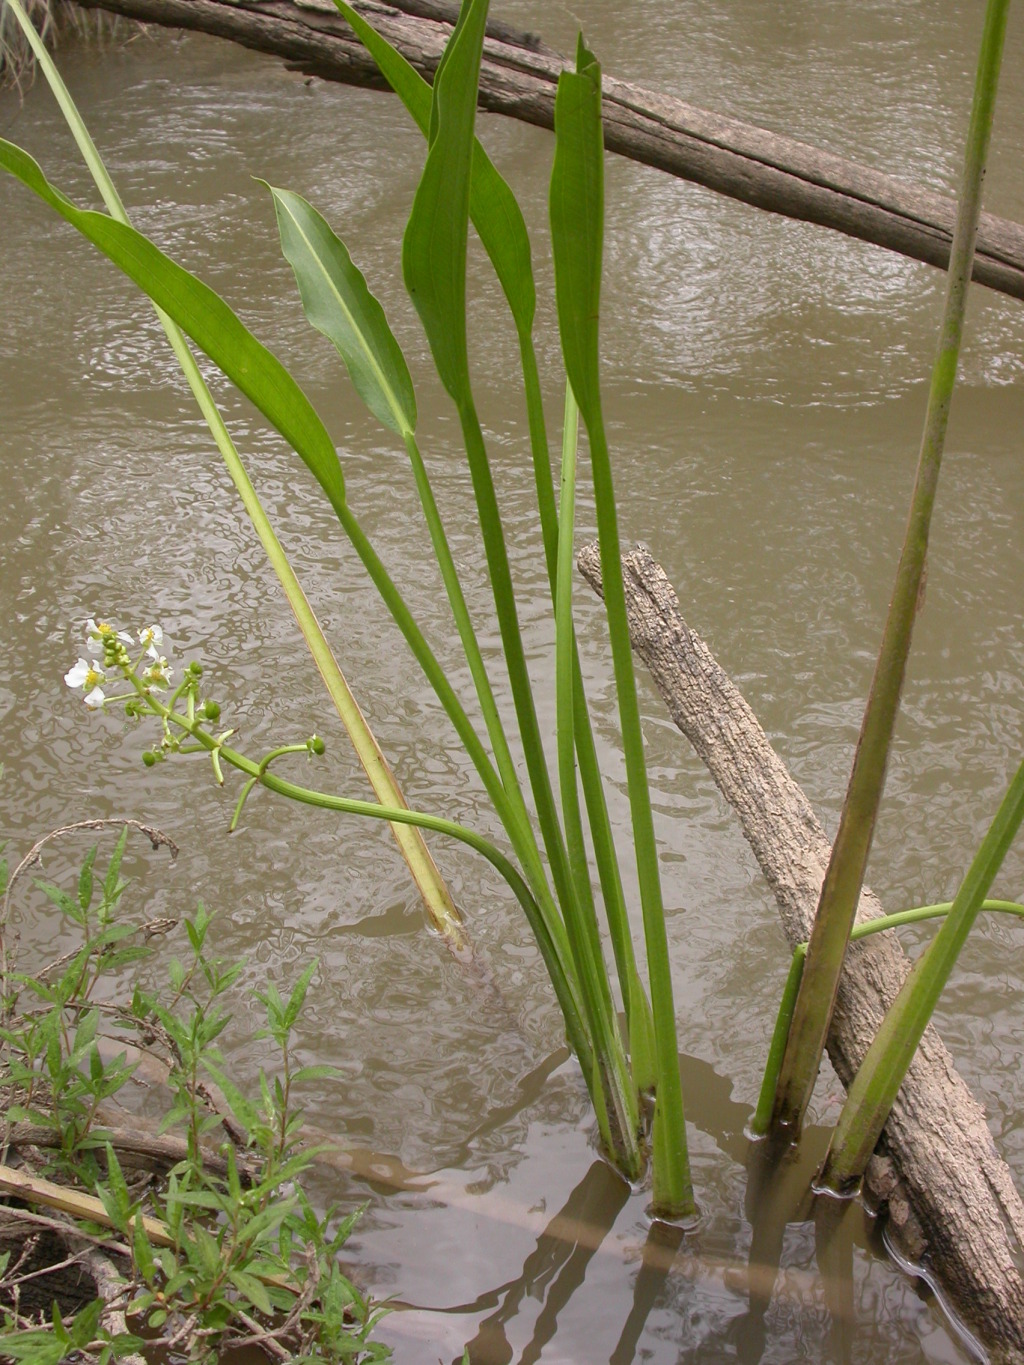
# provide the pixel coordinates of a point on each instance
(519, 76)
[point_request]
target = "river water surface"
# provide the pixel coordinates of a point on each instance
(765, 384)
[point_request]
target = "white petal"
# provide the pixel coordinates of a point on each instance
(95, 697)
(75, 677)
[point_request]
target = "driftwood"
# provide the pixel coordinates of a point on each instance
(938, 1172)
(518, 78)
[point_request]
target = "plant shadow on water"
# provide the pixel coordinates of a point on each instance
(792, 1277)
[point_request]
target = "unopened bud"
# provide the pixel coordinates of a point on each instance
(315, 745)
(149, 758)
(211, 710)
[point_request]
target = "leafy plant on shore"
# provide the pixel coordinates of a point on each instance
(224, 1248)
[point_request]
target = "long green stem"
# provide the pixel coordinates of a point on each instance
(637, 1006)
(583, 930)
(538, 920)
(761, 1121)
(673, 1188)
(881, 1074)
(467, 636)
(425, 657)
(841, 888)
(428, 879)
(503, 593)
(571, 893)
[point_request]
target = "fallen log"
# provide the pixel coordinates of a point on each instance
(950, 1197)
(519, 76)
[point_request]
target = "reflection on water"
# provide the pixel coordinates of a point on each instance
(765, 387)
(792, 1278)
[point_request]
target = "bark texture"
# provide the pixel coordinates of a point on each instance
(519, 76)
(950, 1196)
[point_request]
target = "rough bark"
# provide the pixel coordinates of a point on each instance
(519, 76)
(946, 1188)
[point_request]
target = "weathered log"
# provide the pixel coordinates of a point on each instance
(937, 1161)
(518, 78)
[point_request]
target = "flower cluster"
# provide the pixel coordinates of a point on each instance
(184, 717)
(111, 651)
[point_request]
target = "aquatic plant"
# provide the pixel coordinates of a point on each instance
(557, 896)
(549, 868)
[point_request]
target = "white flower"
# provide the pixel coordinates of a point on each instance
(149, 639)
(86, 674)
(157, 674)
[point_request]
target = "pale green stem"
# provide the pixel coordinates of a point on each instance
(844, 878)
(428, 879)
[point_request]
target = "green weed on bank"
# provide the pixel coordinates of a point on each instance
(215, 1242)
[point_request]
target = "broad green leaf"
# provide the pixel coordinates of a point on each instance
(492, 205)
(252, 1289)
(434, 247)
(577, 225)
(203, 316)
(338, 303)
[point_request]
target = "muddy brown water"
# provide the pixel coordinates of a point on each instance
(765, 384)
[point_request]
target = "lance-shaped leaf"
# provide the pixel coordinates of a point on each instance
(577, 227)
(493, 209)
(434, 247)
(204, 317)
(339, 304)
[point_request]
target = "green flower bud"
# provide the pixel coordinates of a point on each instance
(195, 669)
(149, 758)
(211, 710)
(315, 745)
